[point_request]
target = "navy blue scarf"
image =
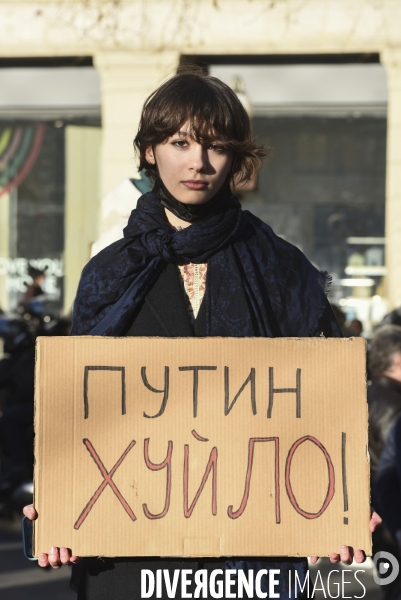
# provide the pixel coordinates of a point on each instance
(257, 283)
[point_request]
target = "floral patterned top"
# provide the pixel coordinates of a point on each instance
(194, 281)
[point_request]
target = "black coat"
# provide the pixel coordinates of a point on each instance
(387, 484)
(384, 401)
(164, 313)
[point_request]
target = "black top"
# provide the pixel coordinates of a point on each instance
(164, 312)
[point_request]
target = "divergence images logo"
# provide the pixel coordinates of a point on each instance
(385, 563)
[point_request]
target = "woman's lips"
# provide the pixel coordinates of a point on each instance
(195, 185)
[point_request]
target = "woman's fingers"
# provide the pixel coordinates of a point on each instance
(359, 556)
(30, 512)
(65, 556)
(345, 556)
(54, 558)
(75, 559)
(313, 559)
(43, 560)
(375, 521)
(57, 556)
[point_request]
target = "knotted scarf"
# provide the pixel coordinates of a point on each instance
(257, 283)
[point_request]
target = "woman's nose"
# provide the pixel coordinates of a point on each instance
(199, 158)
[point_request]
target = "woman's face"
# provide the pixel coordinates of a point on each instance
(191, 172)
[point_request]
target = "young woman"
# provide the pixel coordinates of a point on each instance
(192, 263)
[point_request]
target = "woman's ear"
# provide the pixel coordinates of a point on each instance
(150, 155)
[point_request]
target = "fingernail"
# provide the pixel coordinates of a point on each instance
(358, 552)
(53, 550)
(63, 551)
(42, 556)
(343, 548)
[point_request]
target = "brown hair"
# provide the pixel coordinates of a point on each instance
(385, 344)
(215, 114)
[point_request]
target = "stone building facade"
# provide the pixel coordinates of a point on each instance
(135, 44)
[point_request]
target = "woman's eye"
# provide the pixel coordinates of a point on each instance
(217, 148)
(180, 143)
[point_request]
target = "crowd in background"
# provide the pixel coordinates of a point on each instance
(18, 332)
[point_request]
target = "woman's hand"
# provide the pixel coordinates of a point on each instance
(57, 557)
(347, 553)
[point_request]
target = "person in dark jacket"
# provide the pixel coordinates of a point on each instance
(384, 402)
(387, 483)
(16, 402)
(384, 390)
(387, 492)
(192, 263)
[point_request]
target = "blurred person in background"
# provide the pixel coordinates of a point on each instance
(17, 392)
(393, 317)
(34, 296)
(384, 402)
(17, 372)
(341, 319)
(356, 327)
(387, 491)
(384, 390)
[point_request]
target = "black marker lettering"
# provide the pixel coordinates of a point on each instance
(164, 391)
(344, 472)
(196, 370)
(273, 390)
(86, 386)
(250, 379)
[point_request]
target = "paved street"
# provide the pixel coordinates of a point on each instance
(21, 579)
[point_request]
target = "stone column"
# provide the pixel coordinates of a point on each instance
(82, 201)
(391, 59)
(127, 78)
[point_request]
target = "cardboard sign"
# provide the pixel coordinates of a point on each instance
(201, 447)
